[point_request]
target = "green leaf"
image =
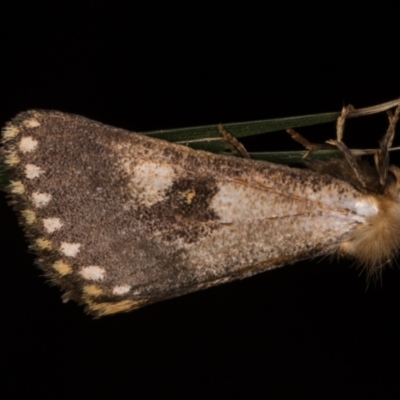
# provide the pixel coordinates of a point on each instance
(294, 157)
(208, 138)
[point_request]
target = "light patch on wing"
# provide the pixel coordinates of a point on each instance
(28, 144)
(106, 308)
(121, 289)
(41, 199)
(9, 132)
(31, 123)
(239, 202)
(32, 171)
(93, 273)
(11, 159)
(17, 187)
(52, 224)
(62, 268)
(362, 205)
(43, 244)
(367, 207)
(92, 290)
(70, 249)
(149, 181)
(29, 216)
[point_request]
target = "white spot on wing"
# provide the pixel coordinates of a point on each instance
(27, 144)
(93, 273)
(149, 181)
(121, 289)
(41, 199)
(52, 224)
(70, 249)
(32, 171)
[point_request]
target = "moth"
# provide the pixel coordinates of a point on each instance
(119, 220)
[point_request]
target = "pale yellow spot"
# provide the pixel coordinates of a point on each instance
(43, 244)
(93, 273)
(62, 268)
(41, 199)
(106, 308)
(27, 144)
(12, 159)
(10, 132)
(32, 171)
(17, 187)
(121, 289)
(31, 123)
(29, 216)
(70, 249)
(188, 195)
(52, 224)
(92, 290)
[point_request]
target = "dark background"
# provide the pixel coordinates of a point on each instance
(309, 330)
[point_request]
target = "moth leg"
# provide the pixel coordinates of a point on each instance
(231, 140)
(350, 158)
(381, 157)
(305, 143)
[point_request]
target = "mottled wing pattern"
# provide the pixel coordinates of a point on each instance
(119, 220)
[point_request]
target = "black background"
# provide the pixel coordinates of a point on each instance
(309, 330)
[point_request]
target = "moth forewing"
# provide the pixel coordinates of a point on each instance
(119, 220)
